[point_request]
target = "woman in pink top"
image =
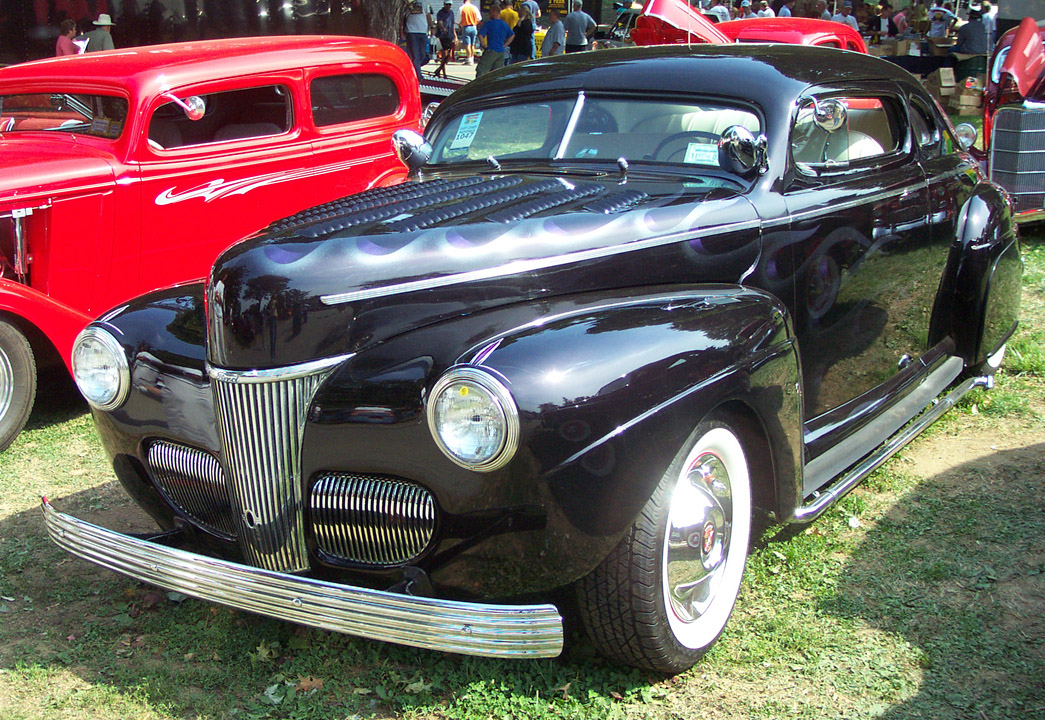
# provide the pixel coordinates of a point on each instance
(65, 45)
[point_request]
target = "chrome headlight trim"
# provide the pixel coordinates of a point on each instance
(95, 333)
(501, 398)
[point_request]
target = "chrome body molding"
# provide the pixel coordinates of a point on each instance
(513, 631)
(261, 419)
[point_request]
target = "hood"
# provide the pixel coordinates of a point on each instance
(1026, 59)
(32, 168)
(342, 276)
(674, 21)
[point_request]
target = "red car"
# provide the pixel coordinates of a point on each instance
(669, 22)
(131, 170)
(1014, 118)
(794, 30)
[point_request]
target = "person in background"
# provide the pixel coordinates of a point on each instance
(990, 13)
(940, 21)
(764, 11)
(718, 11)
(446, 34)
(535, 15)
(972, 36)
(900, 20)
(822, 11)
(416, 26)
(845, 16)
(469, 24)
(508, 14)
(785, 9)
(884, 24)
(745, 10)
(101, 37)
(498, 37)
(66, 33)
(555, 39)
(579, 27)
(522, 42)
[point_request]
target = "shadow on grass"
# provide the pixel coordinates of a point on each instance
(958, 569)
(57, 400)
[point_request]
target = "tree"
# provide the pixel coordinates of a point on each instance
(383, 18)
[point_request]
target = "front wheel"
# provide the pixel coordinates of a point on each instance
(17, 383)
(663, 596)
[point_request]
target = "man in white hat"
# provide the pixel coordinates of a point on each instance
(101, 37)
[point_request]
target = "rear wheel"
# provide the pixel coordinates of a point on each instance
(17, 383)
(663, 596)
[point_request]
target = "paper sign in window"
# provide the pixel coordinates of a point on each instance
(701, 154)
(466, 131)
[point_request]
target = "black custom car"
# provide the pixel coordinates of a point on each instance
(598, 332)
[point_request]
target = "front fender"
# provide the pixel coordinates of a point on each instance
(979, 301)
(58, 322)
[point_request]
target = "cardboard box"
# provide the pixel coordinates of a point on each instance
(943, 77)
(903, 47)
(965, 102)
(940, 46)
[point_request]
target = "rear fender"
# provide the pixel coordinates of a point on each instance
(979, 300)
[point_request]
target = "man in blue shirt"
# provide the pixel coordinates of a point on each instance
(498, 36)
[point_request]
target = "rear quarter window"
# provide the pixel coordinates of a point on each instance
(347, 98)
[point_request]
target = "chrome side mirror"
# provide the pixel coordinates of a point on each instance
(193, 106)
(966, 135)
(412, 149)
(829, 114)
(740, 152)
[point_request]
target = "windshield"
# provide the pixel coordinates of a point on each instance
(98, 115)
(585, 129)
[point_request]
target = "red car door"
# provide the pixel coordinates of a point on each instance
(209, 182)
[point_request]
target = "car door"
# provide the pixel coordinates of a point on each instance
(353, 111)
(865, 267)
(208, 182)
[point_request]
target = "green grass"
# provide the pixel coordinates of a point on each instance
(915, 597)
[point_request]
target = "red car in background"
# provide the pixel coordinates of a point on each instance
(131, 170)
(796, 31)
(669, 22)
(1014, 118)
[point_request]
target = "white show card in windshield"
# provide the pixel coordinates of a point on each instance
(466, 131)
(701, 154)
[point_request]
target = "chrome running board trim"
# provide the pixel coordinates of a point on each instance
(818, 502)
(513, 631)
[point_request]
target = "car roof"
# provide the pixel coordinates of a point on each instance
(175, 64)
(767, 75)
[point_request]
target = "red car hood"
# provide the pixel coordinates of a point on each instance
(1026, 59)
(674, 21)
(32, 168)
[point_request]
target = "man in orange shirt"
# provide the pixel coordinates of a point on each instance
(468, 23)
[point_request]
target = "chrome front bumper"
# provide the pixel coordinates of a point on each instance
(513, 631)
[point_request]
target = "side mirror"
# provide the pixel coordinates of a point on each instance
(829, 114)
(412, 149)
(966, 135)
(193, 106)
(429, 111)
(741, 153)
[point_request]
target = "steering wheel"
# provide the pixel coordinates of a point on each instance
(682, 139)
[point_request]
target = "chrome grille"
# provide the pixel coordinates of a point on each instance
(371, 519)
(1017, 161)
(261, 417)
(193, 481)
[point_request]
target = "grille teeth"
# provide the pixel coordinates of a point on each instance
(194, 482)
(1018, 156)
(261, 418)
(371, 519)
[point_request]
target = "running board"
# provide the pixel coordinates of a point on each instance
(818, 502)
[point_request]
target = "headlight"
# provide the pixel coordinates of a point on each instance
(100, 368)
(473, 419)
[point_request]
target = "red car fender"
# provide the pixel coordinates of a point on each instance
(60, 323)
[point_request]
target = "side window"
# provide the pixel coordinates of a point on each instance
(860, 128)
(345, 98)
(926, 132)
(232, 115)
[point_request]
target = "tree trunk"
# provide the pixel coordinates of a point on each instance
(383, 18)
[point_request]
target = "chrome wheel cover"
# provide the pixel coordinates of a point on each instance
(7, 383)
(705, 544)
